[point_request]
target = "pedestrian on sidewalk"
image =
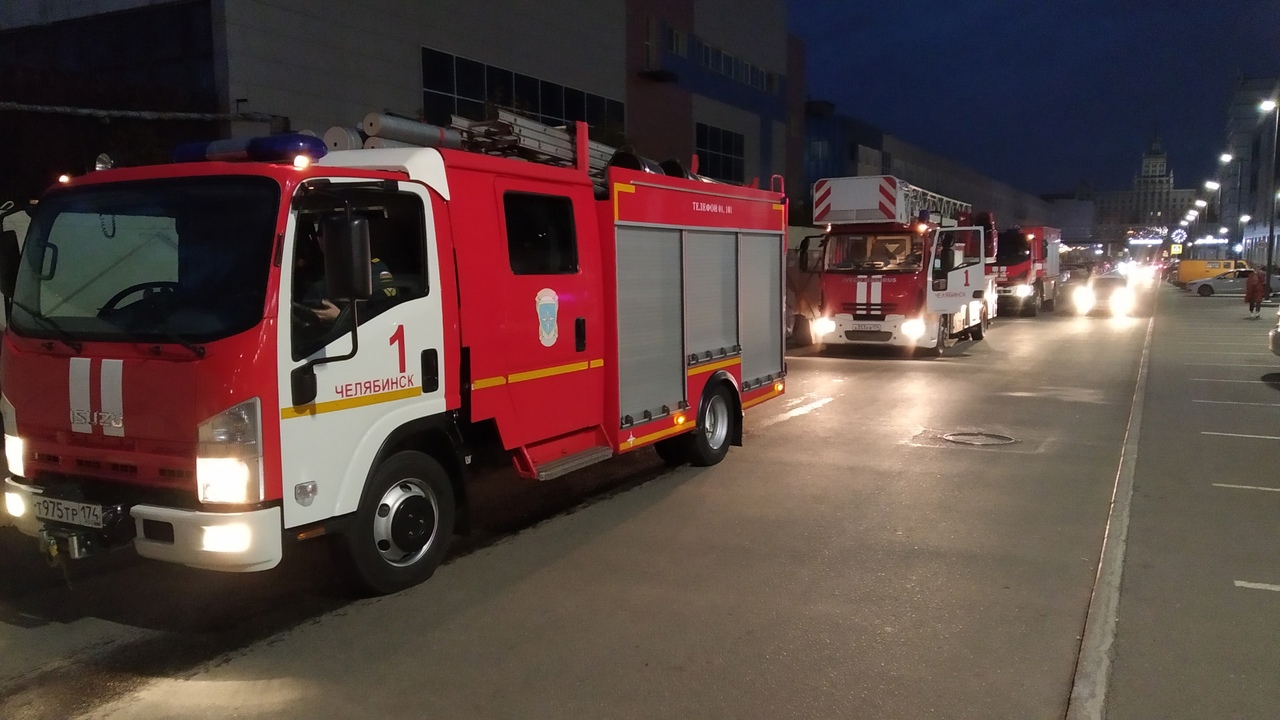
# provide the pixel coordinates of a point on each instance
(1255, 291)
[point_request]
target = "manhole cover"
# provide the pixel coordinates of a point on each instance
(978, 438)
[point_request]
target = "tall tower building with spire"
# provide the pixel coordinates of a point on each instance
(1154, 201)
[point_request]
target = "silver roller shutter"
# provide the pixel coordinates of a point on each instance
(711, 284)
(650, 329)
(761, 283)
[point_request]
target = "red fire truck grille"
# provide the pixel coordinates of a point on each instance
(870, 311)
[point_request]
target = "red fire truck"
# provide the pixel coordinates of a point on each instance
(897, 266)
(210, 359)
(1027, 269)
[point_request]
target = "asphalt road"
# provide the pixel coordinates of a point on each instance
(848, 562)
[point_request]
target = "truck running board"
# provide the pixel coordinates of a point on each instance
(577, 461)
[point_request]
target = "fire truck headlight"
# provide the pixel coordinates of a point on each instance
(913, 329)
(823, 326)
(229, 459)
(1024, 291)
(15, 448)
(233, 538)
(14, 504)
(1083, 299)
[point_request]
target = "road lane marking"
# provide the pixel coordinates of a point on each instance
(802, 410)
(1257, 586)
(1093, 666)
(1245, 487)
(1232, 402)
(1254, 437)
(1219, 380)
(1216, 352)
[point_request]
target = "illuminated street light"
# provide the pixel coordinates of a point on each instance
(1212, 184)
(1201, 203)
(1245, 218)
(1193, 213)
(1185, 223)
(1267, 106)
(1222, 231)
(1225, 158)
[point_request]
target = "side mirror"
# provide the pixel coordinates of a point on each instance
(347, 258)
(803, 259)
(9, 256)
(302, 384)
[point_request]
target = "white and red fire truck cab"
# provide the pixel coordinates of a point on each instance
(1028, 271)
(211, 359)
(897, 266)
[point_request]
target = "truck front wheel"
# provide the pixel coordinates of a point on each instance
(403, 527)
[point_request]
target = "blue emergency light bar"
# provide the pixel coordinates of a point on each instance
(269, 148)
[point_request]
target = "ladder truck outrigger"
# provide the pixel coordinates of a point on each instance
(266, 342)
(896, 266)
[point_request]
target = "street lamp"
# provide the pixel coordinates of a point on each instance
(1212, 184)
(1245, 218)
(1269, 106)
(1225, 158)
(1201, 203)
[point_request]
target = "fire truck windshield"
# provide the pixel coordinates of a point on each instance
(873, 252)
(1012, 247)
(180, 260)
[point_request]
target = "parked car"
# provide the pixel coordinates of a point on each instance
(1227, 283)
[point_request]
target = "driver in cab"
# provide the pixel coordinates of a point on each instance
(314, 297)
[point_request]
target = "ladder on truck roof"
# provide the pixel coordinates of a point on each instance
(509, 134)
(879, 199)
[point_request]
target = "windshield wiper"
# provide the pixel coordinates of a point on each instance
(64, 337)
(171, 336)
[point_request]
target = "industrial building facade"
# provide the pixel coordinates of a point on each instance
(840, 145)
(671, 78)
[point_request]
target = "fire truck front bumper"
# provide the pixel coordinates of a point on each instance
(229, 542)
(894, 331)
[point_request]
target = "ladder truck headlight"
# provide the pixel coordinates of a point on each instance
(824, 326)
(15, 448)
(913, 329)
(1024, 291)
(229, 458)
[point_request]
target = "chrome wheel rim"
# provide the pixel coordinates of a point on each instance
(716, 424)
(406, 522)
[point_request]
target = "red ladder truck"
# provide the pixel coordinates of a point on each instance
(264, 344)
(896, 266)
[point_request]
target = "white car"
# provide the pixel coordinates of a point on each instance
(1230, 282)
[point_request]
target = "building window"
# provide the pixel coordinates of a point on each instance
(725, 64)
(721, 153)
(673, 41)
(540, 234)
(453, 85)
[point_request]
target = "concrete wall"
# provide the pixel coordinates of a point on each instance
(753, 30)
(24, 13)
(327, 62)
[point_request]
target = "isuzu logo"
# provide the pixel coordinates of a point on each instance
(101, 419)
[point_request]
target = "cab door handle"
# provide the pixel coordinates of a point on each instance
(430, 370)
(580, 334)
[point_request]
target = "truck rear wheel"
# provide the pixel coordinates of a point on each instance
(1032, 307)
(402, 528)
(709, 443)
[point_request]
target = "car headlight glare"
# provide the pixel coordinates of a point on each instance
(1024, 291)
(229, 459)
(1122, 302)
(1083, 299)
(15, 448)
(913, 329)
